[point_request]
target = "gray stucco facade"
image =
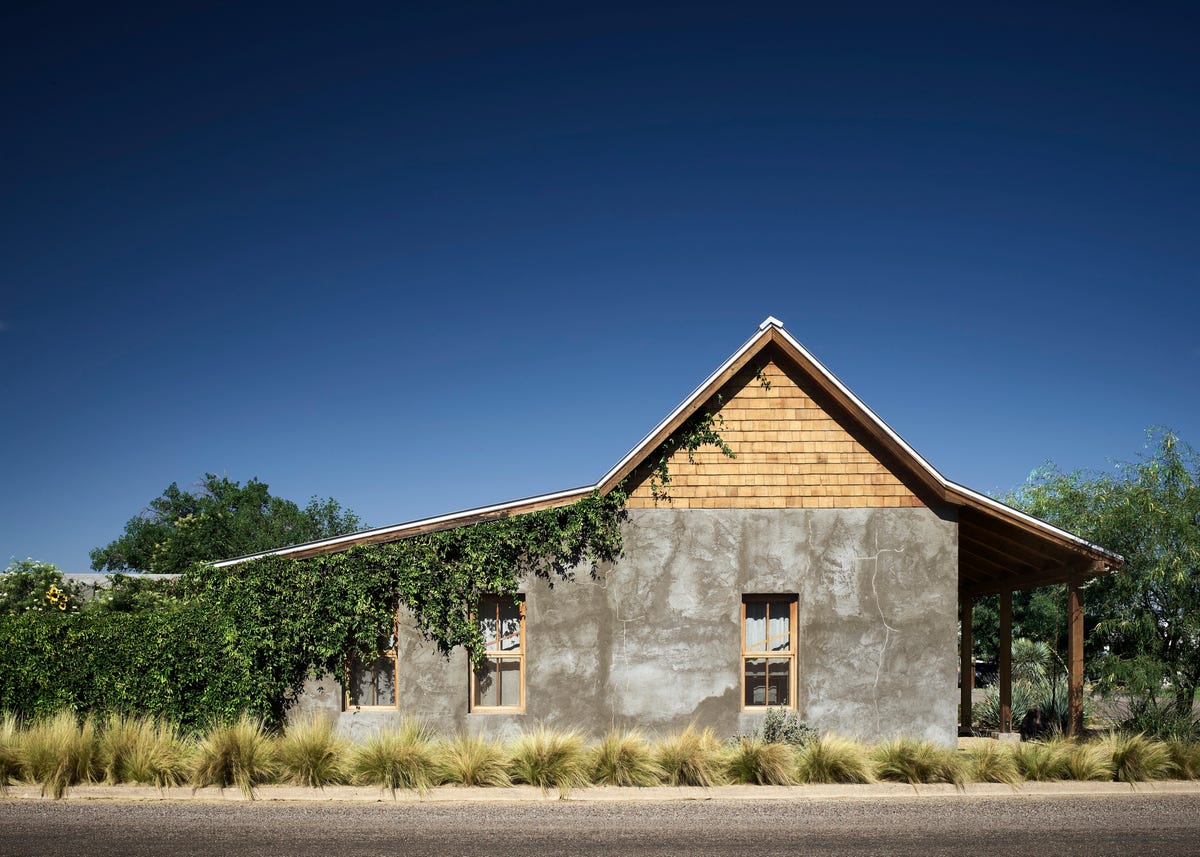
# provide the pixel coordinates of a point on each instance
(653, 640)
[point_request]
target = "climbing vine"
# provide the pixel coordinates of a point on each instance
(703, 429)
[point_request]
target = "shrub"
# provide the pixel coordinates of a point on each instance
(10, 751)
(59, 752)
(1040, 762)
(549, 759)
(141, 750)
(907, 760)
(624, 759)
(398, 758)
(992, 762)
(690, 758)
(833, 759)
(472, 760)
(1084, 760)
(1185, 758)
(1136, 758)
(310, 753)
(234, 754)
(753, 761)
(780, 726)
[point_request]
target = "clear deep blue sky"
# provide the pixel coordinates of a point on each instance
(422, 258)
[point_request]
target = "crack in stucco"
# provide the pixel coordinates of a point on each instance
(888, 629)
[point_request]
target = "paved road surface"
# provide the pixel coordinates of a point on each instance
(1102, 825)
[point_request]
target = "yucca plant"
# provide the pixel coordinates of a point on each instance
(59, 752)
(401, 757)
(1136, 758)
(1040, 762)
(753, 761)
(908, 760)
(1084, 760)
(472, 760)
(549, 759)
(625, 759)
(10, 751)
(1185, 758)
(141, 750)
(690, 758)
(833, 759)
(311, 753)
(992, 762)
(234, 754)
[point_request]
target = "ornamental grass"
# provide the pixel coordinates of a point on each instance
(311, 753)
(834, 759)
(10, 751)
(549, 759)
(58, 752)
(1084, 760)
(237, 754)
(624, 759)
(992, 762)
(690, 758)
(1040, 762)
(908, 760)
(1136, 758)
(1185, 758)
(472, 760)
(141, 750)
(753, 761)
(401, 757)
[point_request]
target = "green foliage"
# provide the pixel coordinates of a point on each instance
(549, 759)
(780, 726)
(624, 759)
(1145, 619)
(753, 761)
(221, 519)
(310, 753)
(833, 759)
(907, 760)
(690, 758)
(234, 754)
(702, 429)
(401, 757)
(39, 587)
(472, 760)
(141, 750)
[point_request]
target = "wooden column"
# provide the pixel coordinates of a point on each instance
(1075, 657)
(966, 679)
(1005, 677)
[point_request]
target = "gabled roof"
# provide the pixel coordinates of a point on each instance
(996, 537)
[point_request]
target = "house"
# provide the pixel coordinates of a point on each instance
(822, 570)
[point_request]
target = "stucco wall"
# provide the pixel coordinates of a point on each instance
(653, 640)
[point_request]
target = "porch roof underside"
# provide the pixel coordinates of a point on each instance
(996, 555)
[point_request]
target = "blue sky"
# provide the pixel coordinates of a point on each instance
(421, 258)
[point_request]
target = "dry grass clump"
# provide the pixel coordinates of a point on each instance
(690, 758)
(58, 752)
(624, 759)
(1084, 760)
(908, 760)
(1040, 762)
(549, 759)
(992, 762)
(234, 754)
(833, 759)
(398, 758)
(141, 750)
(753, 761)
(1136, 758)
(1185, 758)
(472, 760)
(10, 751)
(311, 753)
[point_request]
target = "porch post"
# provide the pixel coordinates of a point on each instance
(966, 667)
(1075, 657)
(1005, 677)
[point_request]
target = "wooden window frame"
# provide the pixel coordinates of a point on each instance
(518, 655)
(791, 655)
(392, 653)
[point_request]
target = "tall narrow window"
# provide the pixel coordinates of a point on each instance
(768, 651)
(373, 683)
(499, 682)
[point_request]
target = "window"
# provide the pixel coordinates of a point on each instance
(373, 684)
(499, 682)
(768, 651)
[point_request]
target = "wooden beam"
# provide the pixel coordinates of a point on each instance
(966, 678)
(1005, 677)
(1075, 657)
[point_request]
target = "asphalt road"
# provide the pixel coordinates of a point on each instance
(1093, 825)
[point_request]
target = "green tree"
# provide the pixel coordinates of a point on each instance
(29, 585)
(220, 519)
(1145, 619)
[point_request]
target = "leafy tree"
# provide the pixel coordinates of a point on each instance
(220, 519)
(29, 585)
(1145, 619)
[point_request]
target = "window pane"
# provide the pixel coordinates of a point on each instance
(360, 683)
(510, 626)
(385, 682)
(488, 625)
(510, 682)
(780, 627)
(779, 682)
(756, 626)
(756, 680)
(487, 684)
